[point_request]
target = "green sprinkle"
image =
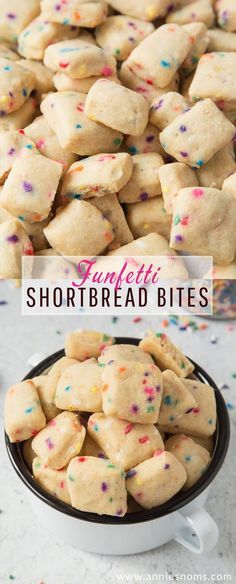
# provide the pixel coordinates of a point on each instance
(158, 334)
(111, 465)
(150, 409)
(117, 141)
(177, 219)
(71, 478)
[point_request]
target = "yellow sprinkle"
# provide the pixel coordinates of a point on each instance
(146, 226)
(4, 98)
(95, 389)
(150, 12)
(92, 117)
(164, 190)
(139, 482)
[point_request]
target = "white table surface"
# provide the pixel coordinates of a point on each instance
(28, 555)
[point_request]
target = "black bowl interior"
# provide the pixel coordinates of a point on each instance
(182, 498)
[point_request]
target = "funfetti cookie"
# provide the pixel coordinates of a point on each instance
(144, 182)
(24, 194)
(183, 138)
(122, 352)
(35, 232)
(64, 83)
(215, 172)
(64, 112)
(226, 14)
(200, 40)
(201, 421)
(150, 11)
(20, 118)
(11, 144)
(156, 480)
(199, 11)
(125, 444)
(166, 354)
(132, 391)
(99, 236)
(215, 78)
(16, 86)
(46, 386)
(7, 51)
(79, 388)
(24, 416)
(53, 481)
(79, 59)
(165, 109)
(15, 17)
(47, 143)
(120, 35)
(40, 33)
(84, 344)
(176, 401)
(43, 76)
(149, 91)
(91, 448)
(160, 55)
(96, 176)
(204, 223)
(148, 217)
(75, 12)
(14, 244)
(28, 453)
(107, 494)
(61, 365)
(61, 440)
(147, 142)
(173, 177)
(105, 98)
(194, 458)
(220, 40)
(111, 209)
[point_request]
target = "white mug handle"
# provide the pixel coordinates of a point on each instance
(197, 531)
(36, 358)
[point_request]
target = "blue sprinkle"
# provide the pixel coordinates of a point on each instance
(167, 400)
(165, 64)
(78, 126)
(7, 68)
(28, 410)
(29, 146)
(188, 458)
(24, 92)
(68, 388)
(133, 149)
(199, 163)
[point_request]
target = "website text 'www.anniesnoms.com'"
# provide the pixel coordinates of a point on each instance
(169, 577)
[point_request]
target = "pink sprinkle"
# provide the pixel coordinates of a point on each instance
(144, 440)
(197, 192)
(52, 423)
(128, 428)
(62, 485)
(149, 390)
(196, 410)
(49, 443)
(107, 71)
(40, 144)
(81, 459)
(157, 452)
(63, 64)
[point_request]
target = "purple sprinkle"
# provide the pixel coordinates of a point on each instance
(119, 512)
(104, 487)
(178, 238)
(49, 443)
(131, 473)
(11, 94)
(147, 373)
(183, 129)
(11, 151)
(101, 455)
(12, 239)
(189, 411)
(58, 7)
(11, 15)
(150, 138)
(134, 409)
(159, 104)
(166, 466)
(131, 39)
(184, 154)
(144, 196)
(27, 186)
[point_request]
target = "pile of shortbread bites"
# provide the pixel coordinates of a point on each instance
(117, 129)
(110, 420)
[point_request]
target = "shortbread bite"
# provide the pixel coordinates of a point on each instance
(194, 458)
(226, 14)
(40, 33)
(215, 172)
(52, 480)
(147, 142)
(149, 217)
(20, 118)
(159, 56)
(106, 98)
(35, 232)
(132, 391)
(121, 352)
(144, 182)
(96, 485)
(166, 354)
(120, 35)
(150, 92)
(60, 440)
(199, 34)
(84, 344)
(201, 421)
(7, 51)
(61, 365)
(96, 176)
(173, 177)
(220, 40)
(111, 209)
(25, 194)
(15, 16)
(199, 11)
(141, 9)
(28, 453)
(64, 83)
(14, 244)
(84, 13)
(79, 59)
(47, 143)
(204, 223)
(215, 79)
(91, 448)
(155, 481)
(229, 184)
(11, 144)
(184, 137)
(205, 442)
(46, 386)
(64, 112)
(79, 388)
(124, 443)
(43, 76)
(176, 401)
(165, 109)
(99, 231)
(15, 87)
(24, 416)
